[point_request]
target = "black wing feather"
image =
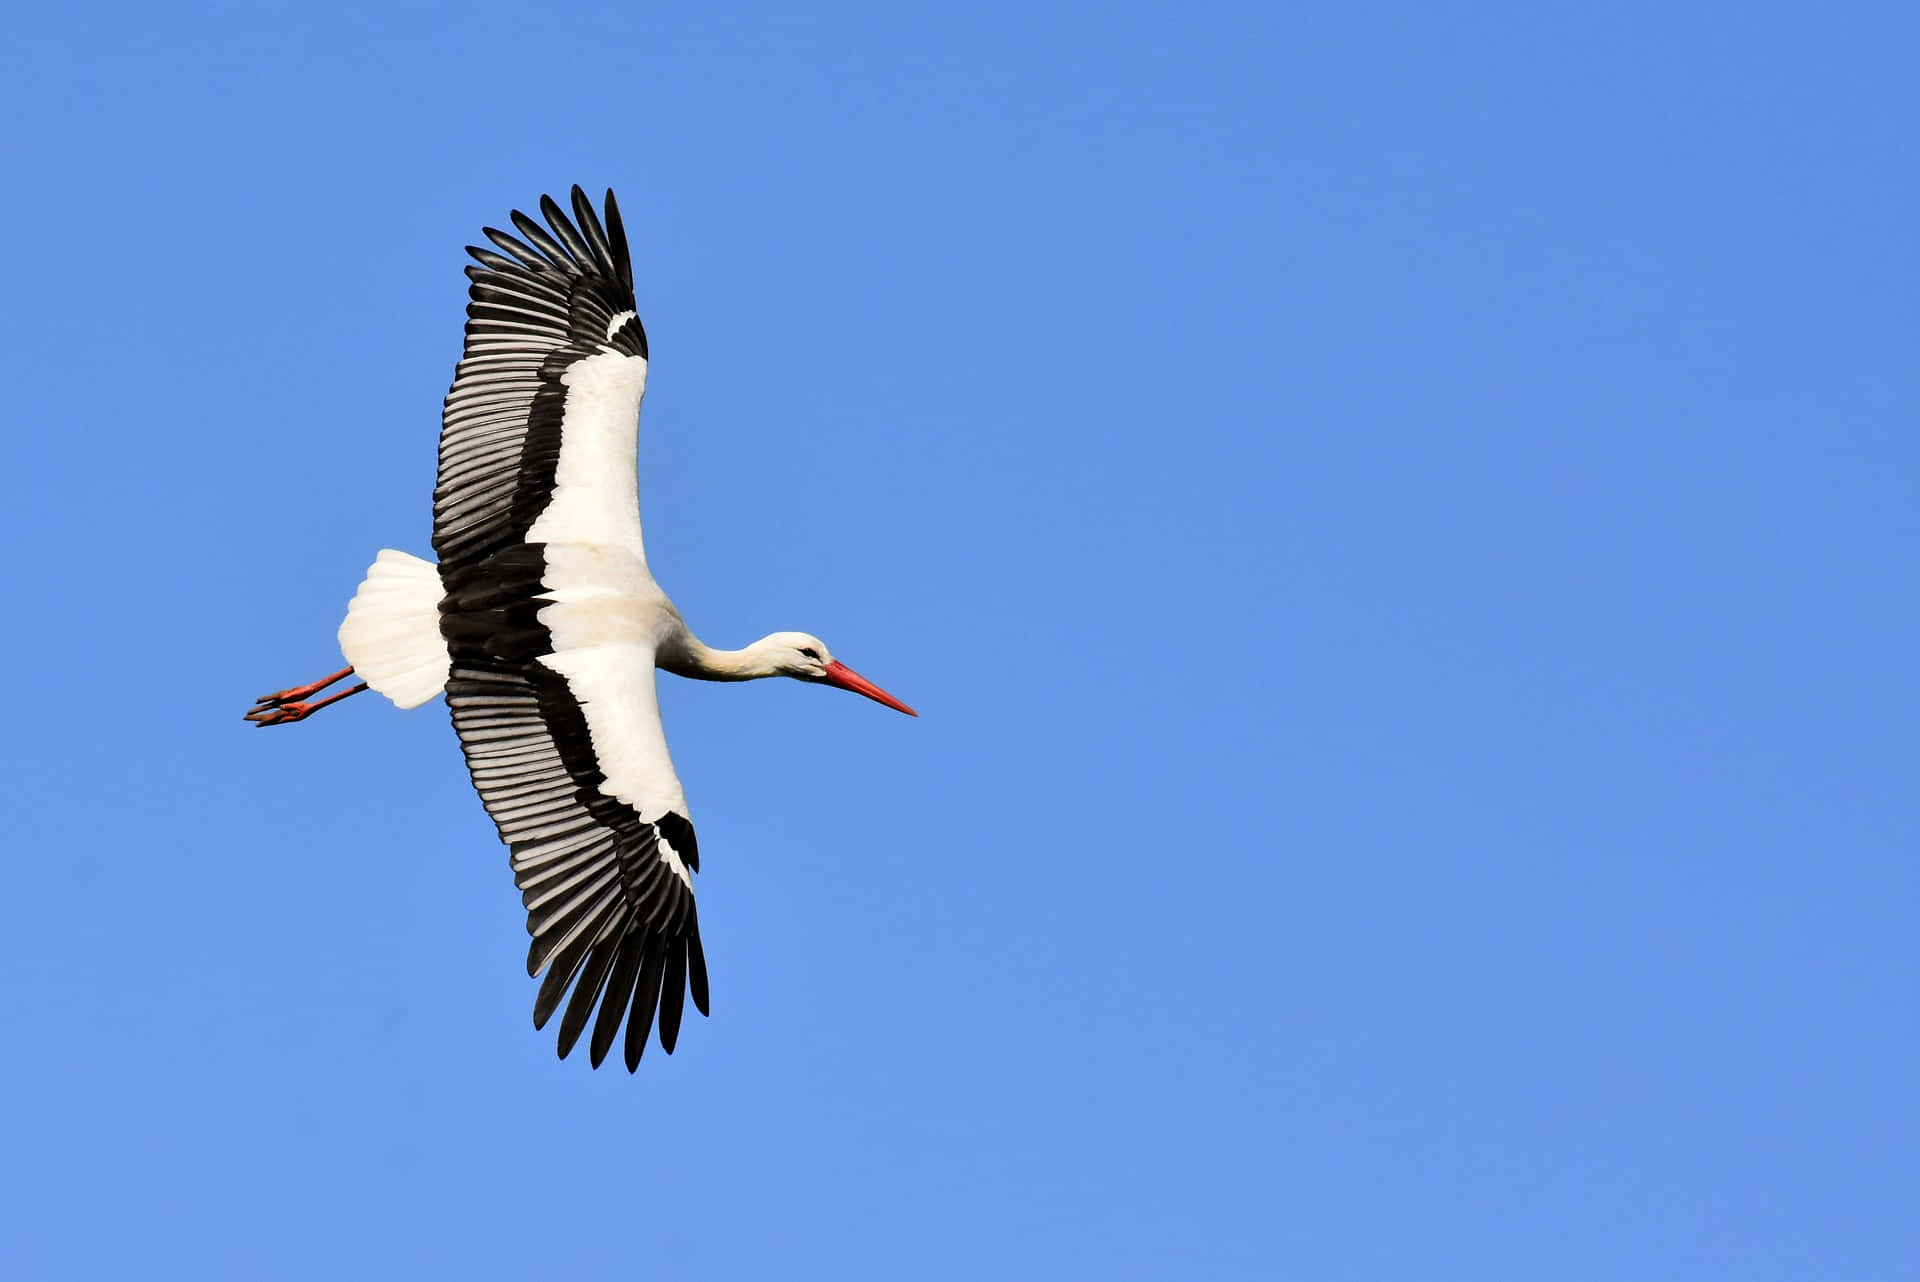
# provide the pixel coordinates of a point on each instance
(568, 236)
(619, 995)
(697, 968)
(586, 993)
(673, 991)
(646, 995)
(537, 236)
(525, 256)
(595, 236)
(617, 234)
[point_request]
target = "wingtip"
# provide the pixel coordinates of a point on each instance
(697, 968)
(617, 236)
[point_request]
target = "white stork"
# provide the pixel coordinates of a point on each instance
(543, 625)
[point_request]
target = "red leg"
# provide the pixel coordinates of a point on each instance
(303, 692)
(288, 706)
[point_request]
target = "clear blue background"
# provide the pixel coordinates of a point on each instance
(1401, 520)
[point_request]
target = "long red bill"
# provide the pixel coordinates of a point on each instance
(839, 674)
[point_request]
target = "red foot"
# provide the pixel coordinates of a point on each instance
(285, 707)
(281, 714)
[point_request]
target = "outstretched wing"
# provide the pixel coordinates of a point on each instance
(608, 892)
(537, 523)
(539, 435)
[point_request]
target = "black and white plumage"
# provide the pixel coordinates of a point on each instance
(554, 349)
(543, 625)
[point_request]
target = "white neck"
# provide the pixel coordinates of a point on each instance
(686, 655)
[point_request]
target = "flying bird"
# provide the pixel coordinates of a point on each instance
(543, 626)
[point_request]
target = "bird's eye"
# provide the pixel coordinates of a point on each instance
(810, 652)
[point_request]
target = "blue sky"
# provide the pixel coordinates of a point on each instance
(1400, 521)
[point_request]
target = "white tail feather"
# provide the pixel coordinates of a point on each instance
(391, 634)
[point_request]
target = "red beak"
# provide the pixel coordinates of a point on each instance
(839, 674)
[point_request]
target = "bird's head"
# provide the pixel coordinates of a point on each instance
(805, 657)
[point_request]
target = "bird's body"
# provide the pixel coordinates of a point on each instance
(543, 625)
